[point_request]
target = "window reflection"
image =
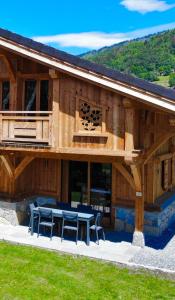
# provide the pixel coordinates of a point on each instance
(30, 95)
(5, 95)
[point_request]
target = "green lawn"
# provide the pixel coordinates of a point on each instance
(28, 273)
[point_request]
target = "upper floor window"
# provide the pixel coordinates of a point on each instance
(30, 95)
(36, 95)
(5, 95)
(44, 95)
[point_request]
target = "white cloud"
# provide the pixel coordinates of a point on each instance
(145, 6)
(96, 40)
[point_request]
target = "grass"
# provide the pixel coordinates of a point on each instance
(163, 80)
(27, 273)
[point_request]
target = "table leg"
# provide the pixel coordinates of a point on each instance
(32, 223)
(87, 234)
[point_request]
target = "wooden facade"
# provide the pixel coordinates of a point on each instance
(79, 120)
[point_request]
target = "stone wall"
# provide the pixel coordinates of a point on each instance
(14, 213)
(154, 222)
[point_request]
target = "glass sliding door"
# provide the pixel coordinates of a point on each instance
(100, 191)
(90, 184)
(78, 177)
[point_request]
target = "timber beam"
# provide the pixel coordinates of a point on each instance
(8, 166)
(128, 176)
(156, 145)
(13, 172)
(9, 67)
(22, 165)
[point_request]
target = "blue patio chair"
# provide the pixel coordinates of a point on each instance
(46, 219)
(97, 226)
(42, 201)
(70, 222)
(64, 205)
(35, 216)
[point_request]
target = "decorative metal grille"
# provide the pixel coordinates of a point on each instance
(90, 117)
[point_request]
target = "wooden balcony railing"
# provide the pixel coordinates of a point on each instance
(26, 127)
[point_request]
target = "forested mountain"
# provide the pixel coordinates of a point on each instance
(151, 58)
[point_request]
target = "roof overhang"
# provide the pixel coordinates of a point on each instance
(141, 95)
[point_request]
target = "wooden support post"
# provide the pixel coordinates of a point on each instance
(138, 237)
(138, 175)
(129, 127)
(55, 122)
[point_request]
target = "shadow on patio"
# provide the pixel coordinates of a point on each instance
(158, 243)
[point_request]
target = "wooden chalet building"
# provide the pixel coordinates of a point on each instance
(80, 132)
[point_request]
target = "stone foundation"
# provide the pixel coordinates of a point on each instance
(154, 222)
(14, 213)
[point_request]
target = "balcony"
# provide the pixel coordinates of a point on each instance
(26, 128)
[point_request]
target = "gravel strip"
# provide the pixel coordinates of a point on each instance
(164, 259)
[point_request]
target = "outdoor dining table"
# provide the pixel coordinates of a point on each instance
(84, 217)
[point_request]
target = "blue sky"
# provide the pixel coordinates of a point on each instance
(79, 26)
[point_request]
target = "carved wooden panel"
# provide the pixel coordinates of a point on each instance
(90, 117)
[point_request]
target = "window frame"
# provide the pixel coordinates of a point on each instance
(38, 89)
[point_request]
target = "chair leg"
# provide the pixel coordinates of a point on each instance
(29, 225)
(103, 234)
(76, 236)
(62, 233)
(38, 230)
(51, 231)
(59, 228)
(97, 236)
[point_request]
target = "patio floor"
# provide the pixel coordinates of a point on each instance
(117, 248)
(120, 252)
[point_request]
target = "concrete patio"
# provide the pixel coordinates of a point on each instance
(117, 252)
(113, 249)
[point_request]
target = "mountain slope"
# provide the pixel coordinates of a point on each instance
(151, 58)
